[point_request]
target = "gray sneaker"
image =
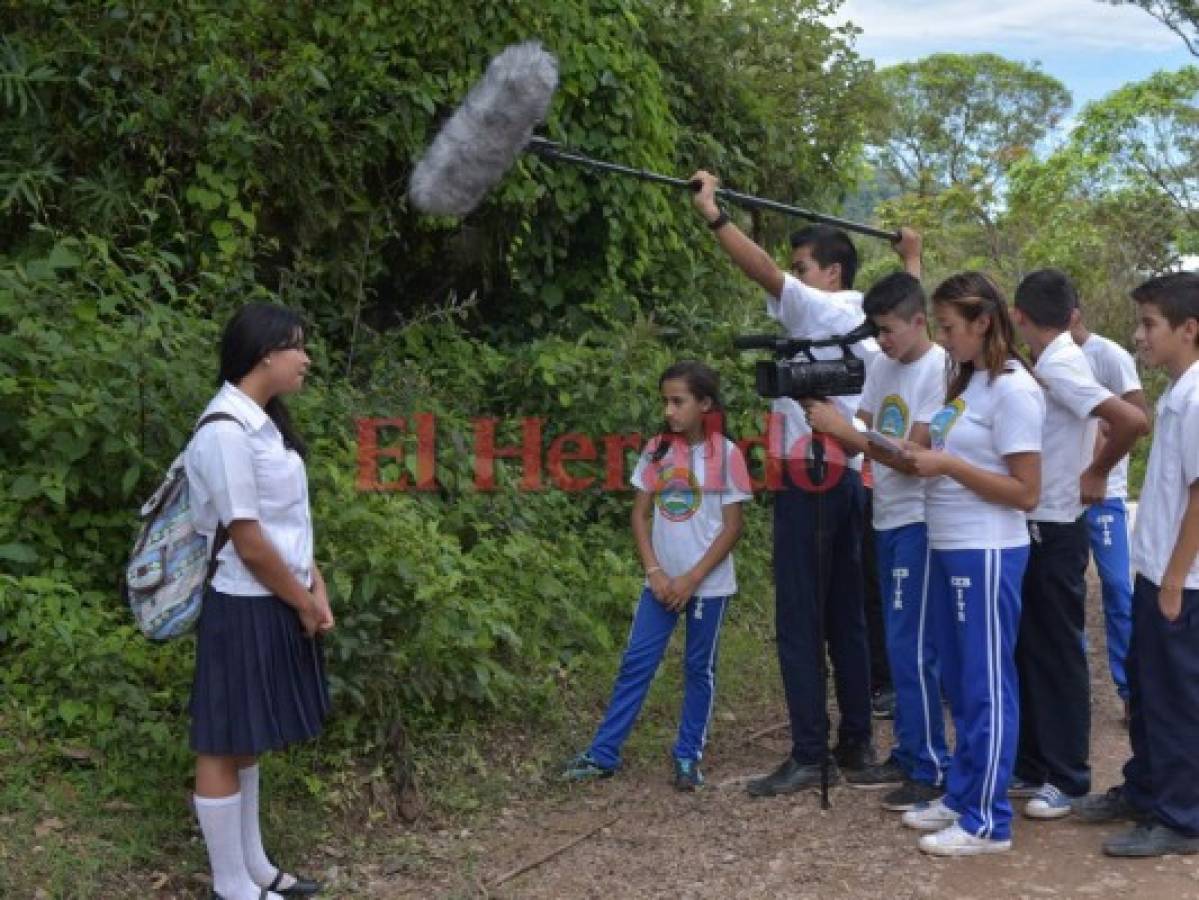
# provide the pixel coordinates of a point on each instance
(911, 795)
(687, 776)
(584, 768)
(1151, 839)
(1111, 806)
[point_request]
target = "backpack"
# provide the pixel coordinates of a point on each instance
(170, 566)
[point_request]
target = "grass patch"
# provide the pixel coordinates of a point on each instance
(74, 825)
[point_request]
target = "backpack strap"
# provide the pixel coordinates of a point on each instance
(221, 537)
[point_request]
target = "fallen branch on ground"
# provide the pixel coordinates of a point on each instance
(546, 857)
(762, 732)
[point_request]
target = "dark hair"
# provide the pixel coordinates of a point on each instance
(898, 293)
(1176, 295)
(703, 384)
(254, 331)
(1047, 297)
(829, 245)
(974, 294)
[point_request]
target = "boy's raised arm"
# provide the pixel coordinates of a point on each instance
(748, 256)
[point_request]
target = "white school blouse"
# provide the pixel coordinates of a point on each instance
(1115, 369)
(242, 470)
(988, 421)
(1173, 468)
(1071, 395)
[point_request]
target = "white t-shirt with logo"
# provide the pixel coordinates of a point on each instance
(1071, 395)
(1173, 468)
(898, 396)
(690, 487)
(1115, 369)
(988, 421)
(811, 314)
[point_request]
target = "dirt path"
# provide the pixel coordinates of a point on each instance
(722, 843)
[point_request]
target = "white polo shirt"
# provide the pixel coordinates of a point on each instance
(691, 486)
(988, 421)
(244, 471)
(1173, 468)
(1116, 370)
(898, 396)
(811, 314)
(1071, 395)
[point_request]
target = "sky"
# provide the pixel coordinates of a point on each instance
(1090, 46)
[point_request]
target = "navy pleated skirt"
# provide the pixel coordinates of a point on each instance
(259, 683)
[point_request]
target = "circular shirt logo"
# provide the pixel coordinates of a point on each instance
(893, 417)
(679, 495)
(943, 421)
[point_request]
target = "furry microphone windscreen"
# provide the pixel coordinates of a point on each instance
(481, 141)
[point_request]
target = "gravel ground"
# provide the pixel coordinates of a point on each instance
(646, 840)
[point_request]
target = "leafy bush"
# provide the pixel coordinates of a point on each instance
(163, 167)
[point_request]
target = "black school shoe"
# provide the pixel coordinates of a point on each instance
(855, 757)
(878, 777)
(303, 887)
(911, 795)
(790, 777)
(1151, 839)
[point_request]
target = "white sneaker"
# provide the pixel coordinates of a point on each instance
(1048, 803)
(956, 841)
(931, 816)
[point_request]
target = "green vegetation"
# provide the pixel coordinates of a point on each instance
(161, 167)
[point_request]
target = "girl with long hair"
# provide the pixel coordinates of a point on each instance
(984, 471)
(259, 681)
(693, 480)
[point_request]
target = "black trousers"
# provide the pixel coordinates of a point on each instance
(1163, 683)
(1051, 660)
(802, 613)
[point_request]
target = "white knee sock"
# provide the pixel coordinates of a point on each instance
(257, 864)
(220, 820)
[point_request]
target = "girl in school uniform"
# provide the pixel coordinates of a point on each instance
(694, 481)
(984, 471)
(259, 679)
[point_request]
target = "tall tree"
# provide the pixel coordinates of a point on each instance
(1147, 133)
(954, 124)
(1180, 16)
(954, 119)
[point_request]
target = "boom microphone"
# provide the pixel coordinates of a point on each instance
(481, 141)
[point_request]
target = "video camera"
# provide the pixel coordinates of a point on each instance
(809, 377)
